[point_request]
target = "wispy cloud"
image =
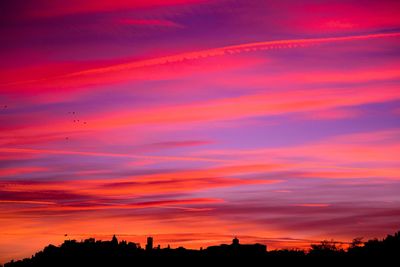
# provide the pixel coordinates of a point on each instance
(149, 22)
(195, 121)
(220, 51)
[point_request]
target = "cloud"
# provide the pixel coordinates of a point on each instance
(330, 114)
(59, 8)
(396, 111)
(37, 208)
(170, 145)
(121, 190)
(33, 202)
(233, 108)
(266, 104)
(220, 51)
(4, 172)
(313, 205)
(363, 155)
(103, 154)
(28, 196)
(195, 131)
(149, 22)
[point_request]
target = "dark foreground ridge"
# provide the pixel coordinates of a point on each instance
(113, 253)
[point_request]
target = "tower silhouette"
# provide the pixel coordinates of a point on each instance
(149, 245)
(114, 240)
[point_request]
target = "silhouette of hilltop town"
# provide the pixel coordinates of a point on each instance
(91, 252)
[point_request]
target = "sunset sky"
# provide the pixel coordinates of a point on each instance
(195, 121)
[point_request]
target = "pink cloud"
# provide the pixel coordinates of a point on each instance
(189, 121)
(358, 75)
(396, 111)
(149, 22)
(330, 114)
(102, 154)
(347, 17)
(60, 8)
(250, 105)
(313, 205)
(99, 75)
(20, 170)
(369, 155)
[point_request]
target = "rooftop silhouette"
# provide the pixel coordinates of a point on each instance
(91, 252)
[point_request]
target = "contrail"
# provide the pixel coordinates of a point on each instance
(220, 51)
(280, 44)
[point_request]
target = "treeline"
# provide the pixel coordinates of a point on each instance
(113, 253)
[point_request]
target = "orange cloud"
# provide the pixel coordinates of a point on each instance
(184, 181)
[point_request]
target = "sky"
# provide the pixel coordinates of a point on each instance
(195, 121)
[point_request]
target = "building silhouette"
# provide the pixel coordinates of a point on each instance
(149, 245)
(97, 253)
(235, 242)
(237, 249)
(114, 240)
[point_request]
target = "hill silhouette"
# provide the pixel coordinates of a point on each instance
(91, 252)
